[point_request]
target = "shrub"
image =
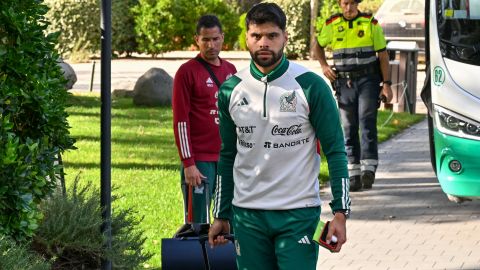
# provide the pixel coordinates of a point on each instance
(123, 27)
(17, 256)
(298, 27)
(242, 37)
(33, 123)
(78, 22)
(70, 233)
(166, 25)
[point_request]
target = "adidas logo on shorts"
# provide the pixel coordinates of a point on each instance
(304, 240)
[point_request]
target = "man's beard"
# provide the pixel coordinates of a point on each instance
(275, 56)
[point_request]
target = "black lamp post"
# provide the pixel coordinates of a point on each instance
(105, 134)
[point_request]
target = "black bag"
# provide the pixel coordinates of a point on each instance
(189, 248)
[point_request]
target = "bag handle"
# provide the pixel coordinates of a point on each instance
(209, 69)
(190, 205)
(188, 200)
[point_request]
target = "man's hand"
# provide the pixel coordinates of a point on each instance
(329, 73)
(387, 92)
(337, 227)
(193, 176)
(322, 59)
(216, 232)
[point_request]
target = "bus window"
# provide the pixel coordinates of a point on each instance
(459, 30)
(461, 9)
(474, 8)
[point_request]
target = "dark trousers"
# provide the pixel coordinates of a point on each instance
(358, 103)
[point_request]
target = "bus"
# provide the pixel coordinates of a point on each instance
(451, 93)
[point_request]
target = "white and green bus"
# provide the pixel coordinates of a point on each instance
(452, 94)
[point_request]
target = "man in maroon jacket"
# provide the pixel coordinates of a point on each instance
(195, 111)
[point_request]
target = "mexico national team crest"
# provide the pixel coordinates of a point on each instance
(361, 33)
(288, 102)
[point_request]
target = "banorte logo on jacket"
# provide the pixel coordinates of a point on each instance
(288, 102)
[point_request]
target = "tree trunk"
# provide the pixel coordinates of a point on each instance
(313, 36)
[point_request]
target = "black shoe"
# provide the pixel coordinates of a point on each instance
(355, 183)
(368, 177)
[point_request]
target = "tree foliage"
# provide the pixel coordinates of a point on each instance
(123, 27)
(242, 6)
(331, 7)
(298, 27)
(33, 123)
(78, 22)
(165, 25)
(327, 9)
(370, 6)
(242, 37)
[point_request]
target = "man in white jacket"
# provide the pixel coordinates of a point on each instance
(271, 116)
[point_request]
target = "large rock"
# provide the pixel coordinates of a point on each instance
(154, 88)
(68, 74)
(123, 88)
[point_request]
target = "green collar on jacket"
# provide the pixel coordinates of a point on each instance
(272, 75)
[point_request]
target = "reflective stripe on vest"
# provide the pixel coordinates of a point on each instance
(352, 43)
(354, 56)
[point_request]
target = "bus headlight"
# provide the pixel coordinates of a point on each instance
(451, 123)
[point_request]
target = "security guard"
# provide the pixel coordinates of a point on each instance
(360, 78)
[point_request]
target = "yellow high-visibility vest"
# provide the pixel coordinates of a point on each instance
(354, 42)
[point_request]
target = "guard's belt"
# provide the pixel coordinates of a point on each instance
(371, 69)
(353, 55)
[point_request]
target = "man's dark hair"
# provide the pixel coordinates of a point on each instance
(208, 21)
(266, 13)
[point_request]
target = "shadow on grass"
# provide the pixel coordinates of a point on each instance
(124, 166)
(137, 116)
(144, 141)
(84, 101)
(117, 103)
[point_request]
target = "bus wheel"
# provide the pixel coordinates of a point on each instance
(456, 199)
(431, 141)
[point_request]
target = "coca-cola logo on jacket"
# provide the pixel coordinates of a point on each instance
(287, 131)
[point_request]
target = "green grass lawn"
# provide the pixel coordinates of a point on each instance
(145, 164)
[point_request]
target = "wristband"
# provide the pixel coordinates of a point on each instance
(388, 82)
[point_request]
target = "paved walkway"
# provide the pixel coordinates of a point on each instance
(406, 221)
